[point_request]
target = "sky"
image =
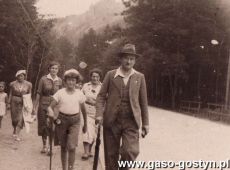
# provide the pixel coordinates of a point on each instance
(62, 8)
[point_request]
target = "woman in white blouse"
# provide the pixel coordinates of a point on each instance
(91, 90)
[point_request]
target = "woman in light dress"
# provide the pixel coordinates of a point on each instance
(3, 101)
(18, 88)
(91, 90)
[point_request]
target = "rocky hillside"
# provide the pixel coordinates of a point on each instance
(105, 12)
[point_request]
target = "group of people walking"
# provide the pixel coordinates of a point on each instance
(119, 103)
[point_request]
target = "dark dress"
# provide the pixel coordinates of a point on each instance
(16, 104)
(46, 88)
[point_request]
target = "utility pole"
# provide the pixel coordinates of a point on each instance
(227, 84)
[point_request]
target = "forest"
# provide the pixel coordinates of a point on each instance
(184, 46)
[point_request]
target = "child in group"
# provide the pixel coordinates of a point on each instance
(70, 102)
(3, 101)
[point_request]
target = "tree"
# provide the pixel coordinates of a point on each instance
(25, 42)
(178, 29)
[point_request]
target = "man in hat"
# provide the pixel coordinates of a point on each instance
(124, 95)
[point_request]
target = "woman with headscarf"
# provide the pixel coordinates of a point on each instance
(91, 90)
(18, 88)
(48, 85)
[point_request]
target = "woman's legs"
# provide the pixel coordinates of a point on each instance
(14, 124)
(14, 130)
(67, 158)
(86, 148)
(19, 127)
(18, 130)
(90, 149)
(71, 159)
(44, 139)
(64, 156)
(1, 121)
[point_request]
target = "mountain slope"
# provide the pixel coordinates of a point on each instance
(105, 12)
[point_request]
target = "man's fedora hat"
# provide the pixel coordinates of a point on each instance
(129, 49)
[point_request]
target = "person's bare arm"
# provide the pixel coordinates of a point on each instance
(101, 99)
(10, 97)
(6, 101)
(38, 96)
(36, 103)
(30, 88)
(84, 117)
(50, 109)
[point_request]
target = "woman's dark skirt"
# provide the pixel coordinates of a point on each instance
(16, 111)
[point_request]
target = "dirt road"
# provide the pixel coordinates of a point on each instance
(173, 136)
(25, 155)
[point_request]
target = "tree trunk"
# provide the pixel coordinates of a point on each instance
(216, 90)
(198, 83)
(173, 87)
(227, 85)
(39, 70)
(162, 91)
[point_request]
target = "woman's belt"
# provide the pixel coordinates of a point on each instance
(68, 115)
(16, 95)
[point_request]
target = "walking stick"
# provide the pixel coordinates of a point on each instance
(51, 140)
(97, 148)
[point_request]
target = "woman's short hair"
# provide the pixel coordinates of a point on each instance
(72, 73)
(95, 70)
(53, 63)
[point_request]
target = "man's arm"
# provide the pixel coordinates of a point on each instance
(144, 107)
(101, 98)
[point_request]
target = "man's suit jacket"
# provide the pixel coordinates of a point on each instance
(109, 99)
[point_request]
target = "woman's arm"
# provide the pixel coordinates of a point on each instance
(38, 96)
(50, 109)
(91, 100)
(30, 88)
(36, 103)
(84, 117)
(6, 101)
(10, 96)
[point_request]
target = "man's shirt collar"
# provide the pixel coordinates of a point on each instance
(119, 73)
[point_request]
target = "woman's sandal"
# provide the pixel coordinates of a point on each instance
(17, 138)
(85, 156)
(90, 154)
(44, 150)
(48, 152)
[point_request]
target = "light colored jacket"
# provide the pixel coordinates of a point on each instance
(109, 99)
(27, 110)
